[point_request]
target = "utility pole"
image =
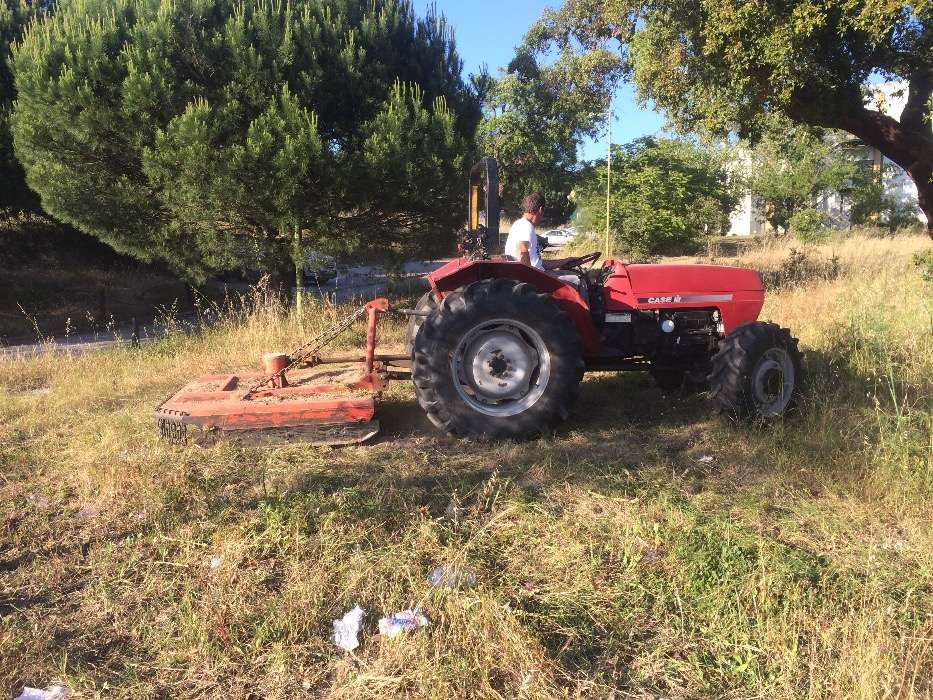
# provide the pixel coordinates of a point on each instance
(299, 271)
(608, 176)
(608, 115)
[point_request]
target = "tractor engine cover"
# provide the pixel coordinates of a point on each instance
(737, 293)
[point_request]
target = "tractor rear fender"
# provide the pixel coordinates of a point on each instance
(461, 272)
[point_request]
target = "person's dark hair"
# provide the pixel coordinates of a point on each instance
(532, 202)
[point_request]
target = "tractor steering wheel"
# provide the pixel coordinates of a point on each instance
(583, 260)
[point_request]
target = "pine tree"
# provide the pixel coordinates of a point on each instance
(15, 16)
(202, 132)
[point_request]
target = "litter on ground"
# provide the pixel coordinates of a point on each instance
(448, 576)
(55, 692)
(405, 621)
(347, 629)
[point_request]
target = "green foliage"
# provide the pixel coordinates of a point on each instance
(726, 67)
(791, 165)
(712, 66)
(665, 195)
(810, 225)
(924, 263)
(535, 118)
(204, 132)
(872, 205)
(868, 201)
(15, 15)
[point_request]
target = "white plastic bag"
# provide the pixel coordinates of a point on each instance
(347, 629)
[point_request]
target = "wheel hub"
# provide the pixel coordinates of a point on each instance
(501, 367)
(773, 382)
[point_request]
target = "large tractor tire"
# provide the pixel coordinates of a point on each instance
(497, 360)
(757, 372)
(427, 302)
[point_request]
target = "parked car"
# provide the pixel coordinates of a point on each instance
(559, 237)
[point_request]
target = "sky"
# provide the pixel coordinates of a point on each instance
(487, 31)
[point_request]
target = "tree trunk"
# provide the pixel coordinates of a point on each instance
(908, 142)
(923, 178)
(298, 262)
(277, 263)
(910, 149)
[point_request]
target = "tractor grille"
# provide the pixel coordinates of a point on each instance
(691, 322)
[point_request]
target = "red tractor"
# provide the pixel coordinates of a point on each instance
(497, 349)
(502, 347)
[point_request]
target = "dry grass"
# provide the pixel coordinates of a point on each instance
(610, 561)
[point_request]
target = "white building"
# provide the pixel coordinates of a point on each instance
(889, 98)
(748, 218)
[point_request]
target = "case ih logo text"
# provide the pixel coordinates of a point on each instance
(685, 299)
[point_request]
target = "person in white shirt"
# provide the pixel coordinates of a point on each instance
(522, 243)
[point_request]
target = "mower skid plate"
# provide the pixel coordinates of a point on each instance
(336, 435)
(327, 404)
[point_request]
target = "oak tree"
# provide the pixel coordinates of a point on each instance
(723, 67)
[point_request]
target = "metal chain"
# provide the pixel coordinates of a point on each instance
(311, 348)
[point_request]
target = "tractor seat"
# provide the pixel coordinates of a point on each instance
(575, 279)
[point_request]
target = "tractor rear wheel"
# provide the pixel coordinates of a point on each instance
(427, 302)
(497, 360)
(757, 372)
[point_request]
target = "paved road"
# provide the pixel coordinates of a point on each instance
(83, 342)
(368, 281)
(359, 282)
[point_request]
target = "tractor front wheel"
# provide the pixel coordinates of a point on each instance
(757, 372)
(497, 360)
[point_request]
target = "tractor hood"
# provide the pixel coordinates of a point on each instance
(652, 280)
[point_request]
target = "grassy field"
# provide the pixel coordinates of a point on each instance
(647, 550)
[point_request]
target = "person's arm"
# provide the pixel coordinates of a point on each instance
(524, 253)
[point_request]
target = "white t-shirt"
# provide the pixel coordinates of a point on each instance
(523, 231)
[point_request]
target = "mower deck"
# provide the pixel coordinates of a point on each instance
(300, 397)
(330, 404)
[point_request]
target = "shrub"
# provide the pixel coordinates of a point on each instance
(800, 268)
(810, 225)
(924, 262)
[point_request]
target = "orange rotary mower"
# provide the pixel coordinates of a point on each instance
(329, 400)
